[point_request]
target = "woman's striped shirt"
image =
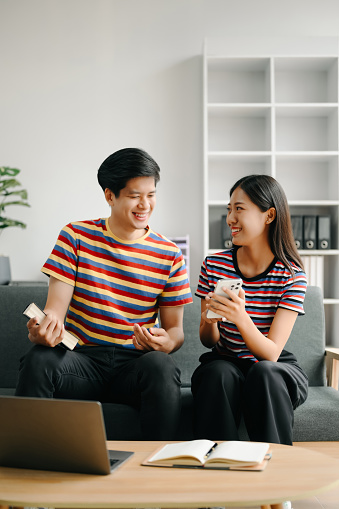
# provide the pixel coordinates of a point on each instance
(116, 283)
(274, 288)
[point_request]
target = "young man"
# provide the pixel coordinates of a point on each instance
(109, 278)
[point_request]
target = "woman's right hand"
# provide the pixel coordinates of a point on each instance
(209, 333)
(209, 320)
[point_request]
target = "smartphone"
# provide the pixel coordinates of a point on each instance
(231, 284)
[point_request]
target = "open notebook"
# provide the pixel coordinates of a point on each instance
(55, 434)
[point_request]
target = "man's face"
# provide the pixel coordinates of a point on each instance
(133, 207)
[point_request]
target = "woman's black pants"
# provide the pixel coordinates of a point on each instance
(265, 393)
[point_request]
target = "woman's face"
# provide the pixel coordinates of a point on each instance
(247, 222)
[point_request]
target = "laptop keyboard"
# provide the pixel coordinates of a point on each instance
(117, 458)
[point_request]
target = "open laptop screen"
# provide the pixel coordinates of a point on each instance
(55, 434)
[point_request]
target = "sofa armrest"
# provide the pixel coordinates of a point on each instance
(332, 355)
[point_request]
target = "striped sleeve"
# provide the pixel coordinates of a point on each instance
(294, 293)
(62, 263)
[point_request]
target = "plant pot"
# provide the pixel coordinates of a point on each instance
(5, 270)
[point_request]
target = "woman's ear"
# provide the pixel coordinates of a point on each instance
(271, 215)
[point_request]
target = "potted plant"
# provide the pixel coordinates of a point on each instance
(9, 195)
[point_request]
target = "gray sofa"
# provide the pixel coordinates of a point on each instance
(317, 419)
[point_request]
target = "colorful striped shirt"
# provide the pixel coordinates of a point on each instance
(116, 283)
(264, 294)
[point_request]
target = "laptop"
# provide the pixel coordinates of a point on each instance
(55, 434)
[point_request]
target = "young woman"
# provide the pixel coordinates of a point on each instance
(248, 373)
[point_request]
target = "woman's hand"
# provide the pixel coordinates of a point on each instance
(230, 309)
(208, 320)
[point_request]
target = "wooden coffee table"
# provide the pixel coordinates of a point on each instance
(293, 473)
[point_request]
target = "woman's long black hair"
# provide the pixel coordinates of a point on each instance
(265, 192)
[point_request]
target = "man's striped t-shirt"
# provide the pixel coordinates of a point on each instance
(116, 283)
(264, 294)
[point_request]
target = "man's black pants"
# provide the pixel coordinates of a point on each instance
(148, 381)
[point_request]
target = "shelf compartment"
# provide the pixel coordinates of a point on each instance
(225, 170)
(331, 277)
(306, 177)
(238, 80)
(314, 209)
(216, 211)
(331, 321)
(316, 252)
(306, 79)
(239, 128)
(319, 271)
(306, 129)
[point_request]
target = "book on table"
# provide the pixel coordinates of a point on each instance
(228, 455)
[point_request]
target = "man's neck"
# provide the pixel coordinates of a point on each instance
(125, 235)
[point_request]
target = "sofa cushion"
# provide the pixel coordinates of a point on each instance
(307, 340)
(122, 422)
(187, 357)
(14, 341)
(318, 418)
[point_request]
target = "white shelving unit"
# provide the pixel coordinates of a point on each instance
(275, 114)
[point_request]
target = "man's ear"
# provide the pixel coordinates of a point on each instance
(109, 195)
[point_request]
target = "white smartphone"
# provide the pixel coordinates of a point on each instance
(231, 284)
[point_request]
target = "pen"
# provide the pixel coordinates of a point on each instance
(211, 450)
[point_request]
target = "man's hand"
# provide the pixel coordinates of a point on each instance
(152, 339)
(166, 339)
(50, 332)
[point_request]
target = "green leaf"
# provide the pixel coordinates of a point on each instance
(5, 170)
(4, 205)
(5, 223)
(22, 193)
(5, 184)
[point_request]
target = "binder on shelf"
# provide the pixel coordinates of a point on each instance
(310, 232)
(297, 227)
(323, 232)
(226, 236)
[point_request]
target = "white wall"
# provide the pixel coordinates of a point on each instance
(80, 79)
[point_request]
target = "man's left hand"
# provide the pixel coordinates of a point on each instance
(153, 339)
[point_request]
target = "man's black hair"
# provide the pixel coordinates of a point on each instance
(124, 165)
